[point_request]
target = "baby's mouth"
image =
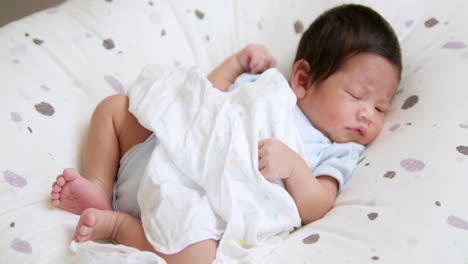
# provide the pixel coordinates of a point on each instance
(361, 131)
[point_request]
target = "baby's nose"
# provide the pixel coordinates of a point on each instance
(365, 114)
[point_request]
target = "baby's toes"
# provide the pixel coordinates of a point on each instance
(83, 233)
(55, 198)
(56, 188)
(82, 238)
(54, 195)
(60, 181)
(84, 230)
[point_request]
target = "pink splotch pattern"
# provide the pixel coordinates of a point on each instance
(14, 179)
(20, 245)
(456, 45)
(412, 165)
(394, 127)
(16, 117)
(457, 222)
(409, 23)
(115, 84)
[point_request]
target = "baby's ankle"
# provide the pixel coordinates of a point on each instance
(102, 187)
(120, 218)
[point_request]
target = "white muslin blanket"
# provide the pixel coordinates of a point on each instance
(202, 181)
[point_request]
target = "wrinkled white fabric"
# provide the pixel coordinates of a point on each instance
(91, 252)
(202, 181)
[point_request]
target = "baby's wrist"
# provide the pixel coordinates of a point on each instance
(298, 167)
(236, 62)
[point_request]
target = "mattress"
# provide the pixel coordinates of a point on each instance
(407, 201)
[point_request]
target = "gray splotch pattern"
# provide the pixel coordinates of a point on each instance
(312, 239)
(45, 108)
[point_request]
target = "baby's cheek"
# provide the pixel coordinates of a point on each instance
(375, 131)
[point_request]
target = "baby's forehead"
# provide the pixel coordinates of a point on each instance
(371, 73)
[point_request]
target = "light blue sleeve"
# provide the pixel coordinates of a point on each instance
(339, 161)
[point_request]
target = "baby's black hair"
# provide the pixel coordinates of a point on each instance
(342, 32)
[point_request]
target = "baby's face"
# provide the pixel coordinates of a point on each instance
(351, 104)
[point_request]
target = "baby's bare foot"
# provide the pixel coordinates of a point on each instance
(74, 193)
(96, 224)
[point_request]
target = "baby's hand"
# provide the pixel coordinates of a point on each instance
(255, 59)
(276, 160)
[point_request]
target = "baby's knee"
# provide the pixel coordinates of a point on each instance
(116, 100)
(113, 104)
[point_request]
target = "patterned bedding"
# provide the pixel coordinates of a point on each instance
(406, 202)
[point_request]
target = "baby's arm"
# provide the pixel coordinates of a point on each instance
(252, 58)
(314, 196)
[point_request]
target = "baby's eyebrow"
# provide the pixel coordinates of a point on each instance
(356, 86)
(384, 101)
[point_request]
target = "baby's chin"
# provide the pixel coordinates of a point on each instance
(345, 139)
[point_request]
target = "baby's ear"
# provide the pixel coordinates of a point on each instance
(300, 78)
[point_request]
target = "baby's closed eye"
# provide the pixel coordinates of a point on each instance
(353, 94)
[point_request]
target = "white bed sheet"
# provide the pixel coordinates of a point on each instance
(406, 203)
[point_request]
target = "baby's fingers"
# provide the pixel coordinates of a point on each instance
(265, 167)
(266, 172)
(257, 66)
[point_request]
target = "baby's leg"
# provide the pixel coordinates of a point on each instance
(112, 132)
(126, 230)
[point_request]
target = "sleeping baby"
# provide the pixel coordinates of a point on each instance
(197, 174)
